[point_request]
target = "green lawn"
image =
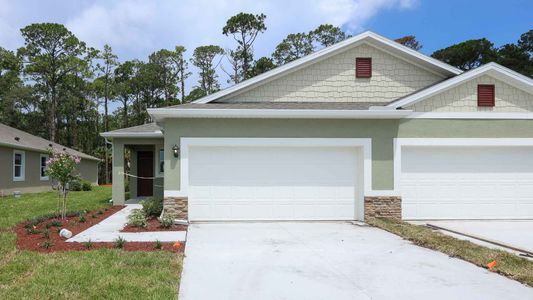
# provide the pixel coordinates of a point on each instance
(98, 274)
(508, 264)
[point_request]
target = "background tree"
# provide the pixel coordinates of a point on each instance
(468, 54)
(203, 58)
(124, 74)
(409, 41)
(327, 35)
(183, 67)
(262, 65)
(10, 84)
(104, 87)
(51, 53)
(196, 93)
(244, 28)
(294, 46)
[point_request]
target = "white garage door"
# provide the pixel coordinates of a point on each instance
(272, 183)
(467, 182)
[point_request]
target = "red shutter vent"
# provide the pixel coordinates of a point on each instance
(485, 95)
(363, 67)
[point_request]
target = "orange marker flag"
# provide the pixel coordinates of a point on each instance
(491, 265)
(177, 244)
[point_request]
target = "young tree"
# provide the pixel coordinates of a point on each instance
(294, 46)
(244, 27)
(203, 58)
(51, 53)
(468, 54)
(327, 35)
(409, 41)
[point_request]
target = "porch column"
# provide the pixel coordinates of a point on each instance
(118, 174)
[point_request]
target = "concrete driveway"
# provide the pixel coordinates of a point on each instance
(327, 261)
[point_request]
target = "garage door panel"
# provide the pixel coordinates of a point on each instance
(467, 182)
(272, 183)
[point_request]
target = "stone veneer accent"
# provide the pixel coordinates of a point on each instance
(177, 207)
(383, 206)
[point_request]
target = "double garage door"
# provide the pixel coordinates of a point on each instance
(321, 183)
(272, 183)
(467, 182)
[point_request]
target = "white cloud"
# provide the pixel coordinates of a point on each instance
(135, 28)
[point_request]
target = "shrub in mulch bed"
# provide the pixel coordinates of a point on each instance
(153, 224)
(41, 234)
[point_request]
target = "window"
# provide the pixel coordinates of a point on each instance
(161, 167)
(19, 162)
(42, 167)
(363, 67)
(485, 95)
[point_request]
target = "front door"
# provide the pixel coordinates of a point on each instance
(145, 168)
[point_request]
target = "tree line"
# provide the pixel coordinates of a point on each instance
(58, 87)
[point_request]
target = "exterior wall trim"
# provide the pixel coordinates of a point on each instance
(471, 115)
(398, 143)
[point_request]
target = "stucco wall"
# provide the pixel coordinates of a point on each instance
(382, 133)
(463, 98)
(88, 170)
(333, 80)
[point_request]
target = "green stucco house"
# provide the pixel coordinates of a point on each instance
(23, 162)
(366, 127)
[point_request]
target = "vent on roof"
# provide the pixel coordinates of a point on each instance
(363, 67)
(17, 138)
(485, 95)
(50, 145)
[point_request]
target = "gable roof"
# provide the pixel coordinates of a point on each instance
(9, 135)
(367, 37)
(150, 130)
(492, 69)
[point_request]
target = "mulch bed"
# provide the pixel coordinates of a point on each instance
(153, 225)
(34, 238)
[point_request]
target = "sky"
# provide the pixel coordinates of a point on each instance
(136, 28)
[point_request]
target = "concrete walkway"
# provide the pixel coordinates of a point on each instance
(109, 230)
(327, 260)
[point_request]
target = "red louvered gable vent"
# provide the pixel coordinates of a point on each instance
(485, 95)
(363, 67)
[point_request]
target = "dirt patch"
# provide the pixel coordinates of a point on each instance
(43, 236)
(153, 225)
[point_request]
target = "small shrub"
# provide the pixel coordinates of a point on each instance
(46, 244)
(94, 216)
(137, 218)
(158, 245)
(82, 219)
(75, 185)
(46, 233)
(152, 207)
(32, 230)
(120, 242)
(88, 244)
(100, 212)
(55, 223)
(86, 186)
(167, 221)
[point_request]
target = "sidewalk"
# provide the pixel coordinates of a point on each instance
(109, 230)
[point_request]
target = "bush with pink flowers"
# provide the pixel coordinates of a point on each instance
(61, 167)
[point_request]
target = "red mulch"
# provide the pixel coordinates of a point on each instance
(34, 242)
(153, 225)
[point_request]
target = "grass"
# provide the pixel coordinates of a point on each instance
(508, 264)
(96, 274)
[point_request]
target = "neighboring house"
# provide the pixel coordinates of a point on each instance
(364, 128)
(23, 162)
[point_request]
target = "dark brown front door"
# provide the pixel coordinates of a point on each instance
(145, 168)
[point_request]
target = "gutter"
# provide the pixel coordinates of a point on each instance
(373, 113)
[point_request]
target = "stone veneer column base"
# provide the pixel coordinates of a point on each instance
(383, 207)
(176, 207)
